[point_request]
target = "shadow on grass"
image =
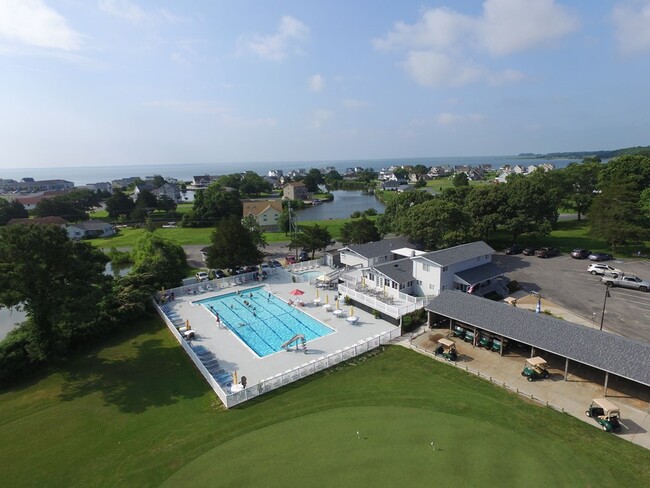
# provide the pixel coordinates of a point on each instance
(150, 374)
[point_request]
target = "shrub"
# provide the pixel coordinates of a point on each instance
(513, 286)
(347, 300)
(119, 257)
(15, 361)
(413, 320)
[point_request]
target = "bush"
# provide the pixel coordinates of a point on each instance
(513, 286)
(356, 214)
(413, 320)
(347, 300)
(370, 212)
(15, 361)
(119, 257)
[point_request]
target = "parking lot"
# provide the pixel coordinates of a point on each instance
(565, 281)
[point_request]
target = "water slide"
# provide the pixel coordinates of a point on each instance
(296, 338)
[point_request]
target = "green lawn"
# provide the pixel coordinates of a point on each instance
(135, 413)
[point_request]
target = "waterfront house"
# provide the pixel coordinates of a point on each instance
(90, 229)
(266, 212)
(140, 188)
(296, 190)
(169, 190)
(31, 185)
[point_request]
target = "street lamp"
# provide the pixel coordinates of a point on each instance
(602, 316)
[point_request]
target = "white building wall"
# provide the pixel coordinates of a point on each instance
(351, 259)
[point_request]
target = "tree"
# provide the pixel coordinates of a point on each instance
(60, 283)
(284, 221)
(633, 169)
(359, 232)
(311, 239)
(420, 183)
(435, 224)
(398, 205)
(232, 244)
(401, 173)
(165, 204)
(11, 210)
(460, 179)
(420, 170)
(256, 233)
(582, 182)
(84, 200)
(212, 205)
(615, 215)
(163, 260)
(484, 205)
(253, 184)
(158, 181)
(60, 207)
(119, 204)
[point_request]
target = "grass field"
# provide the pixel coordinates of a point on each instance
(135, 413)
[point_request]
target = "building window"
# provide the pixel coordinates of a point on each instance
(444, 269)
(425, 267)
(420, 282)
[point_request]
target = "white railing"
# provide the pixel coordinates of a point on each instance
(303, 266)
(313, 366)
(221, 393)
(395, 311)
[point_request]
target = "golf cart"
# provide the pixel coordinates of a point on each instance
(447, 349)
(497, 345)
(458, 331)
(484, 341)
(605, 413)
(535, 369)
(469, 336)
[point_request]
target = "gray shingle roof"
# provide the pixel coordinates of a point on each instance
(456, 254)
(380, 248)
(615, 354)
(480, 273)
(400, 270)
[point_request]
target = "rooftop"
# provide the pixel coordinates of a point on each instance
(379, 248)
(457, 254)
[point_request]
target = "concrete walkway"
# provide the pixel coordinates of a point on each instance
(572, 396)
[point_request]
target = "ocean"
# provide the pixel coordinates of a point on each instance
(81, 175)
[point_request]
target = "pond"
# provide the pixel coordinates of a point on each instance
(9, 319)
(117, 269)
(344, 203)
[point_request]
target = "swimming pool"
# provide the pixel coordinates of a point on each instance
(266, 322)
(309, 275)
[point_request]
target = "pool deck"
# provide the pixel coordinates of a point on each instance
(234, 355)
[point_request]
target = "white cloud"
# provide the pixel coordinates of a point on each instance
(32, 23)
(320, 117)
(442, 47)
(316, 83)
(631, 27)
(275, 47)
(131, 12)
(354, 104)
(223, 113)
(510, 26)
(447, 118)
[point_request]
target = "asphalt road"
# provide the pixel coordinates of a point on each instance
(565, 281)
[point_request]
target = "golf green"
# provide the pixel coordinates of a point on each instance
(384, 446)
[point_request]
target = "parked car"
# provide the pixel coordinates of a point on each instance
(600, 256)
(626, 281)
(529, 251)
(218, 273)
(303, 256)
(536, 368)
(580, 253)
(274, 264)
(602, 269)
(547, 252)
(458, 331)
(514, 249)
(291, 259)
(201, 276)
(606, 413)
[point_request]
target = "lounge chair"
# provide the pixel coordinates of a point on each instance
(209, 287)
(201, 289)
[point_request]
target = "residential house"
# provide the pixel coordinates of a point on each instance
(90, 229)
(296, 190)
(140, 188)
(390, 185)
(124, 182)
(29, 184)
(266, 212)
(53, 220)
(405, 188)
(202, 181)
(170, 190)
(275, 173)
(101, 186)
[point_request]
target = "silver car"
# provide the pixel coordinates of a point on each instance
(602, 269)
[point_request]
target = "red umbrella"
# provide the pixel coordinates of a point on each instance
(296, 292)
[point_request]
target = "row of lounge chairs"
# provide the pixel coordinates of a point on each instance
(211, 363)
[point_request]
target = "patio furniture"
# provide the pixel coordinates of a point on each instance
(327, 307)
(352, 320)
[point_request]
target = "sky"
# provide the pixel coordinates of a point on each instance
(117, 82)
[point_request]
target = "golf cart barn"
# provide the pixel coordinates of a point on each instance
(603, 351)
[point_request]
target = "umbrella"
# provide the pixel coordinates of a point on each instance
(351, 311)
(327, 298)
(363, 282)
(317, 293)
(187, 324)
(296, 292)
(235, 377)
(538, 308)
(337, 304)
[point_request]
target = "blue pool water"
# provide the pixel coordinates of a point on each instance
(310, 275)
(266, 323)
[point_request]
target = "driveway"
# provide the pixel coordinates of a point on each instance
(565, 281)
